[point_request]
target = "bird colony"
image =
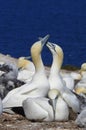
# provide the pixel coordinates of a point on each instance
(43, 97)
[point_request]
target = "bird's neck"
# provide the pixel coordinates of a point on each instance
(56, 65)
(37, 60)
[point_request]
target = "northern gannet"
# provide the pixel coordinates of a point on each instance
(83, 70)
(80, 87)
(52, 108)
(60, 107)
(39, 85)
(26, 71)
(56, 81)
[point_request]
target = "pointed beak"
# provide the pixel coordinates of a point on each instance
(28, 57)
(53, 102)
(44, 40)
(50, 45)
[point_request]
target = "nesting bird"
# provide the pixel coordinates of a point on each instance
(26, 69)
(39, 85)
(80, 87)
(60, 98)
(56, 81)
(38, 109)
(60, 107)
(51, 108)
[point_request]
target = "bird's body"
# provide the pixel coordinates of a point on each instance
(52, 108)
(39, 85)
(62, 110)
(60, 107)
(69, 81)
(38, 109)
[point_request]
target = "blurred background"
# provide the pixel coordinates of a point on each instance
(23, 21)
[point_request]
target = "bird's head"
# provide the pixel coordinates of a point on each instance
(36, 50)
(38, 46)
(53, 94)
(23, 62)
(56, 51)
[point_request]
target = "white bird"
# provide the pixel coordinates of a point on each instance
(69, 81)
(56, 81)
(83, 70)
(71, 78)
(26, 71)
(38, 109)
(60, 107)
(80, 87)
(52, 108)
(76, 75)
(39, 85)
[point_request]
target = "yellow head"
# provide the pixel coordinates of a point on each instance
(57, 52)
(53, 93)
(22, 62)
(36, 50)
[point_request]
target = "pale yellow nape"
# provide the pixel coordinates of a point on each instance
(60, 56)
(22, 62)
(53, 93)
(36, 54)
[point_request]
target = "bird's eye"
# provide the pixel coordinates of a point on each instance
(54, 48)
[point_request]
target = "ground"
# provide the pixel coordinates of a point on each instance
(18, 122)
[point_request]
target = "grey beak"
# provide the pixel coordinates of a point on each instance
(28, 57)
(44, 40)
(53, 101)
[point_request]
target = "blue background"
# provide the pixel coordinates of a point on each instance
(23, 21)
